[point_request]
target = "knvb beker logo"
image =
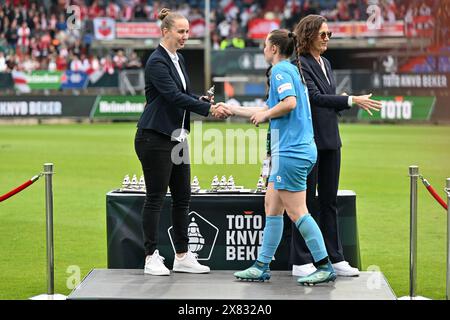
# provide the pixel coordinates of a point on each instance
(202, 236)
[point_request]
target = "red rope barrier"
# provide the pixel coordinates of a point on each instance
(434, 193)
(19, 188)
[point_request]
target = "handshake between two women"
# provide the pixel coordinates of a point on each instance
(257, 115)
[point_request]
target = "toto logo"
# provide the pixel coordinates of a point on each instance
(202, 236)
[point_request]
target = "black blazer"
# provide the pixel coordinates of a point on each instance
(325, 104)
(166, 98)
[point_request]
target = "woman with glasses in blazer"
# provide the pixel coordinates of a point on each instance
(312, 36)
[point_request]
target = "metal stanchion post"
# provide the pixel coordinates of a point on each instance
(447, 190)
(413, 175)
(48, 172)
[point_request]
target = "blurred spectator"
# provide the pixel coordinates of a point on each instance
(52, 63)
(3, 65)
(232, 42)
(353, 10)
(224, 28)
(309, 8)
(76, 65)
(11, 34)
(134, 62)
(95, 10)
(120, 60)
(94, 64)
(215, 41)
(107, 65)
(139, 12)
(61, 63)
(29, 64)
(61, 25)
(23, 34)
(342, 11)
(3, 43)
(113, 10)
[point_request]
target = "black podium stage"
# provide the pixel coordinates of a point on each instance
(221, 285)
(225, 230)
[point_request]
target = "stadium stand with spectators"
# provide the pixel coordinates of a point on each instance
(34, 34)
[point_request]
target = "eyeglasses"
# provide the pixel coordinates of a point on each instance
(324, 34)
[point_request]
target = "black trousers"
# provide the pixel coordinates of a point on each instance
(154, 151)
(324, 177)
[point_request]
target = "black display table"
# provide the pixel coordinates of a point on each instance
(225, 230)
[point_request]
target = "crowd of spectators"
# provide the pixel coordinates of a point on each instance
(34, 34)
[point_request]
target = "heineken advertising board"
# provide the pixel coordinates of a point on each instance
(118, 107)
(44, 80)
(401, 108)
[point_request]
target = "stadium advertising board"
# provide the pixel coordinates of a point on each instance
(413, 81)
(137, 30)
(45, 106)
(402, 108)
(238, 61)
(363, 29)
(41, 80)
(259, 28)
(118, 107)
(74, 80)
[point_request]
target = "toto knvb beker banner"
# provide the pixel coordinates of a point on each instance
(46, 106)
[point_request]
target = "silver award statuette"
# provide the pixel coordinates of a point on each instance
(210, 92)
(265, 172)
(260, 185)
(126, 182)
(223, 183)
(195, 185)
(141, 184)
(230, 184)
(134, 183)
(215, 183)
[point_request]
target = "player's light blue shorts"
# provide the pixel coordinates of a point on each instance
(290, 173)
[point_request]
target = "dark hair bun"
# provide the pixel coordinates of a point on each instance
(291, 35)
(163, 13)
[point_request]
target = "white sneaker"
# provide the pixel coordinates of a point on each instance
(343, 269)
(303, 270)
(189, 264)
(154, 265)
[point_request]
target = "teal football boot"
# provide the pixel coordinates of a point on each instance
(323, 274)
(254, 273)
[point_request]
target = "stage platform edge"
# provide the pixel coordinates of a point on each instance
(109, 284)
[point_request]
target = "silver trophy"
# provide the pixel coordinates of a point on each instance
(126, 182)
(260, 186)
(141, 184)
(134, 183)
(223, 183)
(215, 184)
(195, 185)
(230, 184)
